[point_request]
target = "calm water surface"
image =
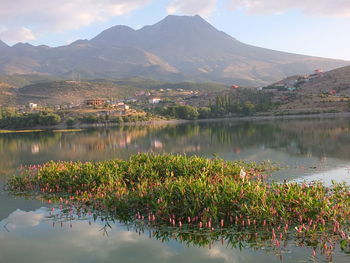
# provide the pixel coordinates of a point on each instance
(309, 149)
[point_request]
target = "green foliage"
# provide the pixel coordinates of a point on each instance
(185, 112)
(244, 102)
(205, 193)
(70, 121)
(9, 118)
(89, 119)
(204, 112)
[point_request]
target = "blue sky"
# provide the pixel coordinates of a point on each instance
(313, 27)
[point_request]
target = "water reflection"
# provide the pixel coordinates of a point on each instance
(31, 237)
(304, 145)
(312, 149)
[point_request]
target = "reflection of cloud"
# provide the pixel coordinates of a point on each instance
(21, 218)
(86, 243)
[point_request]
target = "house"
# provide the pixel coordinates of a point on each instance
(33, 106)
(131, 100)
(95, 102)
(140, 93)
(121, 106)
(154, 100)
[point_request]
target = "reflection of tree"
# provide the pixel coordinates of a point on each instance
(298, 137)
(329, 137)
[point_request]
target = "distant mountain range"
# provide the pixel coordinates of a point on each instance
(178, 48)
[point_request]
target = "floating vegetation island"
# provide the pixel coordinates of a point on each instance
(194, 195)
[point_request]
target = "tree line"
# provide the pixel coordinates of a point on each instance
(241, 103)
(10, 118)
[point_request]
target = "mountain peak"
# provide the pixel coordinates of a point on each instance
(117, 35)
(3, 44)
(175, 20)
(22, 45)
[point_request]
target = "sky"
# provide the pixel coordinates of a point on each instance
(311, 27)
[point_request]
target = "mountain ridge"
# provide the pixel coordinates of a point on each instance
(177, 48)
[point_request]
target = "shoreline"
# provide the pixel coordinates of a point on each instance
(82, 127)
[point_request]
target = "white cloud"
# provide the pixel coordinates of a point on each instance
(16, 34)
(310, 7)
(204, 8)
(43, 16)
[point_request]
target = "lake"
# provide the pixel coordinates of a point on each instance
(307, 149)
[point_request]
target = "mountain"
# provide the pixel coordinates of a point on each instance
(3, 45)
(178, 48)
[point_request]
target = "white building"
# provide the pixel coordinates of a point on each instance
(33, 106)
(154, 100)
(122, 106)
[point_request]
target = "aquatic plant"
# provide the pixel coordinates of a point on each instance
(197, 193)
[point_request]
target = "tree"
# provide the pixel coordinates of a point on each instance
(248, 108)
(70, 122)
(186, 112)
(204, 112)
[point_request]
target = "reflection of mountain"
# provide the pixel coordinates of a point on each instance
(8, 204)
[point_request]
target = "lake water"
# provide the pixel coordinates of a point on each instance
(308, 149)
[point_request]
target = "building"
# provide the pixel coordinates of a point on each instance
(140, 93)
(154, 100)
(131, 100)
(121, 106)
(33, 106)
(95, 102)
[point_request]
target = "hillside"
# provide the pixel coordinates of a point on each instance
(64, 92)
(7, 95)
(176, 49)
(323, 92)
(338, 80)
(19, 81)
(75, 92)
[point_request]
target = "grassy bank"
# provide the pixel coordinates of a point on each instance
(18, 131)
(197, 193)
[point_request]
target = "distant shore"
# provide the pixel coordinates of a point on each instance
(80, 127)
